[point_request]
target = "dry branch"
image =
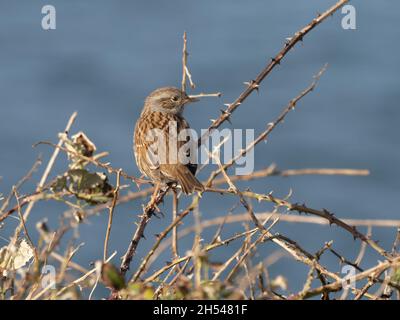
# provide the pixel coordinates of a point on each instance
(254, 85)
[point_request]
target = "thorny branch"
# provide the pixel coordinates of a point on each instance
(195, 264)
(225, 115)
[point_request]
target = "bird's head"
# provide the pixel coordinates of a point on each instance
(168, 100)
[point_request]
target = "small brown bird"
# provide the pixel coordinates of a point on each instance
(162, 109)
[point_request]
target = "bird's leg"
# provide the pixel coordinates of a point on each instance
(153, 199)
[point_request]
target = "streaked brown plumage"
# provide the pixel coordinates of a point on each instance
(163, 107)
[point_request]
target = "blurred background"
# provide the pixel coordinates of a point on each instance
(105, 57)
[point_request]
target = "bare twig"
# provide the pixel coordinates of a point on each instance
(50, 164)
(44, 177)
(139, 233)
(336, 172)
(184, 62)
(320, 213)
(83, 278)
(203, 95)
(396, 242)
(197, 250)
(271, 126)
(94, 161)
(282, 218)
(269, 171)
(261, 238)
(161, 236)
(363, 248)
(186, 75)
(254, 84)
(110, 214)
(23, 226)
(337, 285)
(175, 202)
(24, 179)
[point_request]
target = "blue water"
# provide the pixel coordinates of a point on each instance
(105, 57)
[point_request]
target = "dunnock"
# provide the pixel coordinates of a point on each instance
(162, 109)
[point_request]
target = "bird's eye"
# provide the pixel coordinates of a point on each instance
(175, 98)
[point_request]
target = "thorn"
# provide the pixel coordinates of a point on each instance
(158, 215)
(300, 35)
(331, 216)
(253, 84)
(274, 60)
(355, 231)
(227, 114)
(256, 87)
(288, 40)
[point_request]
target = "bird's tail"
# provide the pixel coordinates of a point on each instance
(185, 178)
(189, 183)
